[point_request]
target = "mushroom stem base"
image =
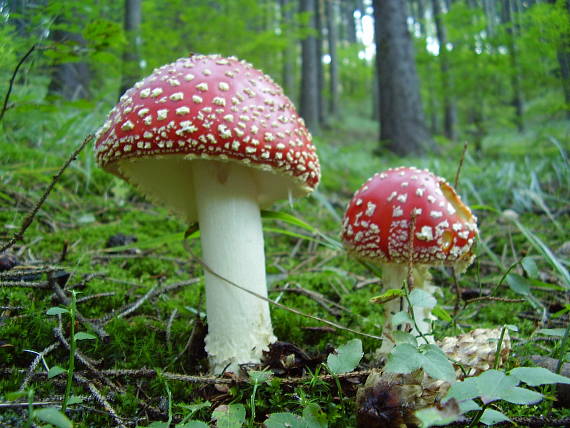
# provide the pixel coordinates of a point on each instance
(393, 276)
(239, 324)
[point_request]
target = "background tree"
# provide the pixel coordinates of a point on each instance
(131, 54)
(332, 39)
(309, 97)
(402, 126)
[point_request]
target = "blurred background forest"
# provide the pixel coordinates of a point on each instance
(450, 70)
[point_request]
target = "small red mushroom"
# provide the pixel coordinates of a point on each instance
(377, 224)
(214, 139)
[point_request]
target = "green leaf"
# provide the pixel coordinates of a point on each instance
(517, 395)
(442, 314)
(15, 395)
(468, 406)
(193, 424)
(258, 377)
(436, 364)
(558, 332)
(494, 385)
(548, 255)
(465, 390)
(74, 399)
(443, 415)
(53, 416)
(314, 417)
(389, 295)
(529, 267)
(404, 358)
(158, 424)
(535, 376)
(492, 417)
(401, 318)
(55, 371)
(404, 337)
(55, 310)
(346, 358)
(232, 416)
(283, 420)
(84, 336)
(422, 299)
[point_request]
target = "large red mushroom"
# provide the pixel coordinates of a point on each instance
(214, 139)
(377, 224)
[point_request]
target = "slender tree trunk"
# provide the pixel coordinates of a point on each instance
(69, 80)
(331, 6)
(449, 112)
(131, 54)
(517, 99)
(402, 125)
(289, 50)
(349, 33)
(320, 66)
(309, 97)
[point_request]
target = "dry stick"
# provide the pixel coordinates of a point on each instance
(100, 331)
(35, 363)
(128, 309)
(492, 299)
(273, 302)
(101, 400)
(23, 284)
(19, 235)
(461, 160)
(12, 79)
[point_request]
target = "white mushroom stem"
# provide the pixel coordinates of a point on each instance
(393, 276)
(239, 324)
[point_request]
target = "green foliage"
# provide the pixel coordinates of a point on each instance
(346, 358)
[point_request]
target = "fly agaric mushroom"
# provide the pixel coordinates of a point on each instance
(214, 139)
(376, 228)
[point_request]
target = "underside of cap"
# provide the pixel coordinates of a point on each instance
(168, 180)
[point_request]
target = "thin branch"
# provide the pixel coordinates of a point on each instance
(19, 235)
(100, 399)
(35, 363)
(493, 299)
(461, 160)
(12, 79)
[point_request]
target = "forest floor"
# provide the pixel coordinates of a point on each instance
(139, 294)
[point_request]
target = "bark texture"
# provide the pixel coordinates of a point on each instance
(131, 54)
(402, 126)
(309, 98)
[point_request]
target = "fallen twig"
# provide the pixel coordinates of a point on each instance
(100, 399)
(100, 331)
(12, 79)
(35, 363)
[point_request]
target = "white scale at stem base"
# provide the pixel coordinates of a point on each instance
(239, 324)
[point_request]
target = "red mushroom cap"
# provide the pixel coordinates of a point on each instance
(210, 107)
(377, 224)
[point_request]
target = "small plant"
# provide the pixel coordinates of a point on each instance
(73, 339)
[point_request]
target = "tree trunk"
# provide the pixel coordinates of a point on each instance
(131, 54)
(517, 98)
(349, 33)
(289, 50)
(69, 80)
(402, 125)
(449, 112)
(309, 98)
(320, 66)
(331, 9)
